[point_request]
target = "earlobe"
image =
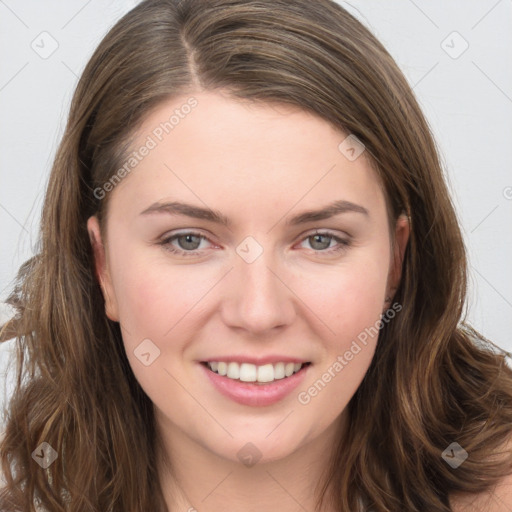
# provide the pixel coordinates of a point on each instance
(101, 268)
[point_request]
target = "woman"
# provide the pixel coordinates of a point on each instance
(250, 288)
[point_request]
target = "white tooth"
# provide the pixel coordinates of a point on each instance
(248, 372)
(233, 370)
(222, 369)
(265, 373)
(288, 369)
(279, 371)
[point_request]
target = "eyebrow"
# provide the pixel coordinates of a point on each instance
(198, 212)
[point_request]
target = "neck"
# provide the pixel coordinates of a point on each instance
(195, 478)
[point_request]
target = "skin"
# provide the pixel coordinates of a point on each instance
(259, 165)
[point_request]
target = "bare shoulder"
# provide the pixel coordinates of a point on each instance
(495, 499)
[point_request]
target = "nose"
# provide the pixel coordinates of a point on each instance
(257, 298)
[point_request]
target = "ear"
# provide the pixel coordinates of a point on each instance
(102, 269)
(401, 238)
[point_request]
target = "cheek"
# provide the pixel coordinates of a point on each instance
(351, 306)
(348, 298)
(156, 303)
(153, 298)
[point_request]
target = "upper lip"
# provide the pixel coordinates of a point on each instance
(258, 361)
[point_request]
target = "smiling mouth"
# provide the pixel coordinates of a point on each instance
(251, 373)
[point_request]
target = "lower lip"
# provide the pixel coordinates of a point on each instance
(253, 394)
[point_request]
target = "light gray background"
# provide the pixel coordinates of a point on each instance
(467, 98)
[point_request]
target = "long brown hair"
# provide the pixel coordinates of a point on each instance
(433, 380)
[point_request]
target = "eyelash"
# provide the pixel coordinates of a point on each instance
(166, 243)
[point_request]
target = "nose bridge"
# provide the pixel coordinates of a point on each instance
(257, 300)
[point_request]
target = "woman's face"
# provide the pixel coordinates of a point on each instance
(247, 237)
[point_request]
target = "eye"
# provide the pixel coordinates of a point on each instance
(186, 243)
(326, 242)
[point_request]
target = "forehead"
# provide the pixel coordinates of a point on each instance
(241, 155)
